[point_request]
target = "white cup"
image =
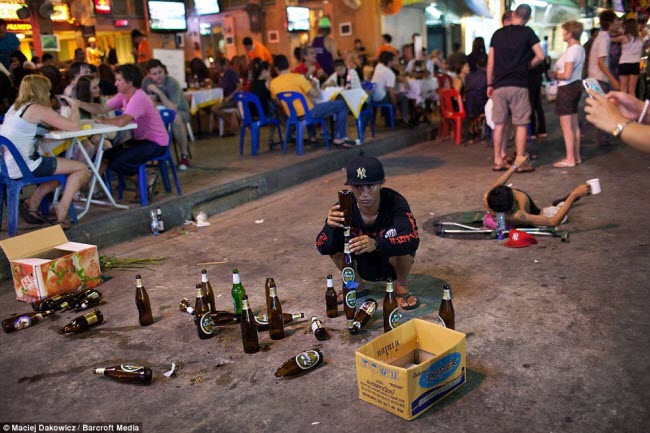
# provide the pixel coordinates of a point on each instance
(595, 186)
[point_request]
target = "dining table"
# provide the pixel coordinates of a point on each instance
(202, 98)
(88, 129)
(354, 98)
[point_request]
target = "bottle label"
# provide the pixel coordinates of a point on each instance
(99, 370)
(316, 324)
(297, 315)
(351, 299)
(390, 286)
(394, 318)
(308, 359)
(131, 368)
(204, 278)
(235, 279)
(22, 322)
(206, 323)
(262, 319)
(91, 318)
(446, 294)
(347, 274)
(369, 307)
(190, 310)
(330, 282)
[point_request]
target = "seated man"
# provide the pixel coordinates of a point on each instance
(150, 138)
(519, 208)
(383, 233)
(164, 89)
(385, 83)
(76, 70)
(288, 81)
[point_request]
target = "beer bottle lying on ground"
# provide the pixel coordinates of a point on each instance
(249, 335)
(24, 320)
(331, 307)
(56, 302)
(363, 315)
(145, 317)
(318, 329)
(305, 361)
(185, 307)
(446, 311)
(83, 322)
(262, 320)
(390, 311)
(133, 374)
(276, 322)
(91, 299)
(202, 318)
(207, 290)
(219, 317)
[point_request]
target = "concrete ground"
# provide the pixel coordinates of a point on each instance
(557, 333)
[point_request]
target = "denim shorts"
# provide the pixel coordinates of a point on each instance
(47, 167)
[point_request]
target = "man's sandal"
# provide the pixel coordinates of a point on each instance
(405, 296)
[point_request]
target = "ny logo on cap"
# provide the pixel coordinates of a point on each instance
(361, 173)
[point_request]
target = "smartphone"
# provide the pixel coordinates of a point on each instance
(592, 83)
(62, 102)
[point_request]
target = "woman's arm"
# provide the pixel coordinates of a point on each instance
(566, 74)
(38, 113)
(93, 107)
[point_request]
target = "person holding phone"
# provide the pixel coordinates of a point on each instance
(568, 74)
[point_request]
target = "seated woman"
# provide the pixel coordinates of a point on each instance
(24, 124)
(260, 87)
(88, 90)
(343, 76)
(518, 206)
(309, 67)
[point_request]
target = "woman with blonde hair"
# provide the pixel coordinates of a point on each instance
(24, 125)
(631, 49)
(569, 74)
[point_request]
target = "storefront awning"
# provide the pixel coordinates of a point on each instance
(467, 8)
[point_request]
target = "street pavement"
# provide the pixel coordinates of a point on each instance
(557, 333)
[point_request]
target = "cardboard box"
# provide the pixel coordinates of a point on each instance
(407, 370)
(44, 263)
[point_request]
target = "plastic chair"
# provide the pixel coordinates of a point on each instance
(10, 188)
(450, 114)
(246, 100)
(366, 115)
(300, 122)
(166, 158)
(387, 107)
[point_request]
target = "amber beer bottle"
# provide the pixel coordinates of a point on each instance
(267, 291)
(56, 302)
(24, 320)
(83, 322)
(142, 303)
(207, 290)
(248, 327)
(262, 320)
(446, 311)
(92, 298)
(133, 374)
(202, 317)
(331, 304)
(346, 205)
(305, 361)
(318, 329)
(363, 315)
(185, 306)
(390, 311)
(276, 323)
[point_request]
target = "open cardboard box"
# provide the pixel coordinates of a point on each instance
(44, 263)
(407, 370)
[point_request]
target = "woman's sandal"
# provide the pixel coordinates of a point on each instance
(64, 225)
(31, 216)
(405, 297)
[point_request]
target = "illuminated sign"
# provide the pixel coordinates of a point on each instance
(121, 23)
(19, 27)
(103, 7)
(61, 13)
(205, 29)
(8, 11)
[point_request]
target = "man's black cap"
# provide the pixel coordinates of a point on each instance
(365, 170)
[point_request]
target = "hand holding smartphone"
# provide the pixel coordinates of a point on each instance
(592, 83)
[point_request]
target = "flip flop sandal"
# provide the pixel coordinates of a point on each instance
(405, 296)
(527, 168)
(30, 216)
(500, 167)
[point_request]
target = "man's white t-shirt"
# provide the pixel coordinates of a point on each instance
(384, 78)
(600, 48)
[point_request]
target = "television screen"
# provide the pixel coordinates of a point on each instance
(167, 16)
(298, 19)
(206, 7)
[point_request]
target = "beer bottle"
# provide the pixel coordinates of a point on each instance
(24, 320)
(306, 360)
(76, 299)
(202, 317)
(318, 329)
(391, 313)
(83, 322)
(161, 222)
(363, 315)
(237, 292)
(155, 226)
(276, 323)
(262, 320)
(331, 303)
(267, 290)
(134, 374)
(56, 302)
(248, 328)
(350, 301)
(346, 205)
(446, 311)
(91, 299)
(348, 273)
(142, 303)
(207, 290)
(185, 307)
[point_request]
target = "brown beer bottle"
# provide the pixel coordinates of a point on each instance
(276, 323)
(56, 302)
(24, 320)
(133, 374)
(318, 329)
(248, 327)
(202, 317)
(446, 311)
(185, 307)
(262, 320)
(331, 303)
(83, 322)
(92, 298)
(267, 290)
(219, 317)
(346, 205)
(207, 290)
(305, 361)
(363, 315)
(390, 311)
(142, 303)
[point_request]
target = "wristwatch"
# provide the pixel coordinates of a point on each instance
(620, 127)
